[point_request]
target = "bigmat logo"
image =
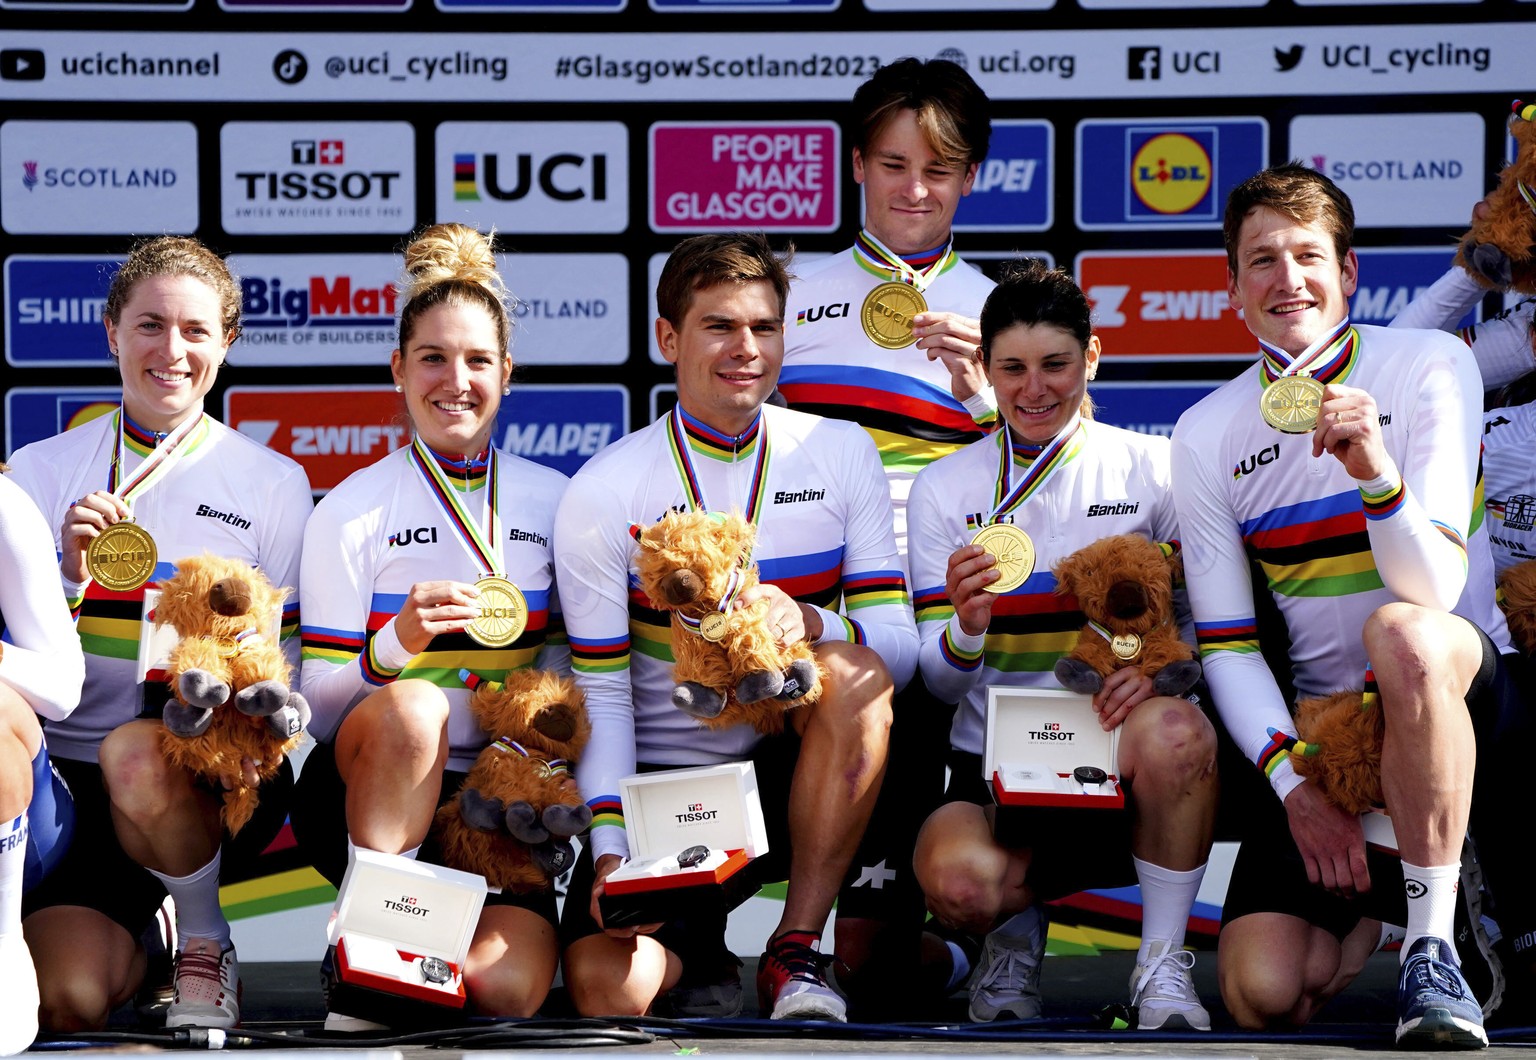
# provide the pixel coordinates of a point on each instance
(317, 178)
(35, 413)
(330, 434)
(1166, 304)
(1391, 277)
(53, 310)
(1420, 169)
(302, 309)
(1171, 174)
(706, 176)
(1013, 191)
(96, 177)
(534, 176)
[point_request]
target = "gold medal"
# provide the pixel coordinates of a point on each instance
(1126, 646)
(712, 626)
(122, 557)
(887, 314)
(1013, 551)
(503, 613)
(1290, 404)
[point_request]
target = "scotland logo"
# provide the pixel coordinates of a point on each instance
(29, 175)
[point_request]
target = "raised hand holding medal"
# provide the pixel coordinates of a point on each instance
(1010, 547)
(888, 310)
(1292, 393)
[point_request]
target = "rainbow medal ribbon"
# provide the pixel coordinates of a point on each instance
(123, 556)
(1009, 546)
(503, 609)
(888, 310)
(1293, 388)
(713, 625)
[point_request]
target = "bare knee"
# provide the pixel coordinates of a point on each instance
(405, 724)
(606, 977)
(135, 771)
(859, 687)
(1169, 744)
(959, 867)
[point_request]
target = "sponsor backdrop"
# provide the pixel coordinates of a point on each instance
(308, 138)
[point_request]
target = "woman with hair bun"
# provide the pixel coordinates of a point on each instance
(156, 481)
(398, 550)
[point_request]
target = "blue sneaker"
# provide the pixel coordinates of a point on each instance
(1435, 1007)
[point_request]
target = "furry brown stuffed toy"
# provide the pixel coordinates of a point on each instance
(734, 671)
(1517, 596)
(225, 613)
(1339, 748)
(1499, 250)
(1124, 585)
(513, 818)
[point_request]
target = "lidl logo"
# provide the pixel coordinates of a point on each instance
(1171, 173)
(1163, 174)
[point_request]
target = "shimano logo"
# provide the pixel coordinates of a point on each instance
(422, 535)
(1253, 461)
(224, 517)
(527, 535)
(1118, 508)
(796, 496)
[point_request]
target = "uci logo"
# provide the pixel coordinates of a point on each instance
(822, 312)
(563, 177)
(1171, 174)
(422, 535)
(1253, 461)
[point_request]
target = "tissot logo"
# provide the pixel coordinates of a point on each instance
(695, 812)
(408, 905)
(293, 177)
(1253, 461)
(1051, 733)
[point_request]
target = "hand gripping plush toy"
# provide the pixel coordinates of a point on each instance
(1124, 585)
(1499, 250)
(1338, 747)
(513, 819)
(225, 613)
(730, 669)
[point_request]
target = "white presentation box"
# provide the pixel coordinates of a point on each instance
(1037, 738)
(667, 814)
(1379, 832)
(402, 931)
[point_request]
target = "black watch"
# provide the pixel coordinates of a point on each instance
(692, 856)
(435, 970)
(1090, 777)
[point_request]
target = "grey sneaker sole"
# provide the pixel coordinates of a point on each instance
(1438, 1029)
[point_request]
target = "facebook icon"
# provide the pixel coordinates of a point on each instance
(1144, 64)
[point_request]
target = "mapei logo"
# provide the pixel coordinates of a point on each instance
(289, 177)
(1171, 173)
(534, 176)
(1253, 461)
(1013, 188)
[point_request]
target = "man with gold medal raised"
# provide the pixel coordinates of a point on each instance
(131, 494)
(1360, 504)
(432, 567)
(987, 523)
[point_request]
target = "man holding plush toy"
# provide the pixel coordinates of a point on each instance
(1361, 512)
(815, 491)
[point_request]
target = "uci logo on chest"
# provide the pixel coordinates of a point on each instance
(1253, 461)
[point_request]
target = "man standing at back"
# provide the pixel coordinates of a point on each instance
(1345, 463)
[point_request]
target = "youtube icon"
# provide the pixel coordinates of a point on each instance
(21, 64)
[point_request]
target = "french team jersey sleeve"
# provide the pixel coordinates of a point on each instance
(1221, 596)
(948, 657)
(42, 660)
(336, 593)
(1419, 515)
(876, 604)
(592, 569)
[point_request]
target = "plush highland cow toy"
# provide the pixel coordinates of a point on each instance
(1517, 596)
(730, 669)
(1124, 585)
(1339, 749)
(230, 679)
(513, 819)
(1499, 251)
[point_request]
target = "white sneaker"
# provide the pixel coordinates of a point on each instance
(207, 986)
(18, 995)
(1164, 995)
(1006, 982)
(344, 1024)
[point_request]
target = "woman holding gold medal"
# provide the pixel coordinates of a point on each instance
(986, 525)
(131, 493)
(430, 567)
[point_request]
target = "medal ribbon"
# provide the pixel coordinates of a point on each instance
(732, 587)
(1057, 453)
(875, 256)
(155, 466)
(1330, 357)
(484, 549)
(677, 438)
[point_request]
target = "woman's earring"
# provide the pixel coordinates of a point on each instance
(399, 389)
(506, 389)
